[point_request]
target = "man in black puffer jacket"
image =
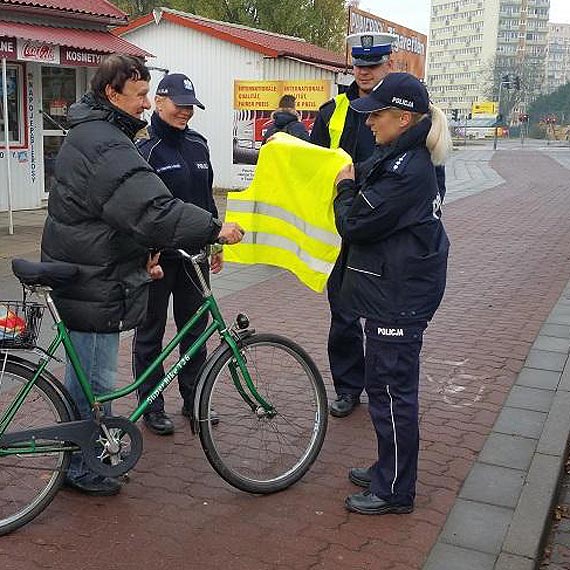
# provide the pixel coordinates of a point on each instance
(106, 210)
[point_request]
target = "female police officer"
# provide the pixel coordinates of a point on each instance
(394, 275)
(181, 158)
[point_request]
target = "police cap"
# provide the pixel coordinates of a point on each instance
(398, 90)
(179, 89)
(370, 48)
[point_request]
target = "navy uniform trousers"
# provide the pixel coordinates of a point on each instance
(346, 342)
(147, 342)
(392, 383)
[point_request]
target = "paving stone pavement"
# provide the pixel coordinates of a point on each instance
(494, 415)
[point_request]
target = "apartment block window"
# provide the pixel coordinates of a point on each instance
(15, 91)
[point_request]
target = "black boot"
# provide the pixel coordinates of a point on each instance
(360, 476)
(159, 423)
(344, 405)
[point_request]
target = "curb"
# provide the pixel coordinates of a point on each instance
(504, 508)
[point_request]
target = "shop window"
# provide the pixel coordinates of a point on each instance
(58, 93)
(14, 77)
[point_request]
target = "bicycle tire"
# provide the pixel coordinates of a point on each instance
(36, 477)
(251, 452)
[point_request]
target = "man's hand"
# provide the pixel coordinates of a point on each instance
(153, 268)
(230, 233)
(347, 173)
(217, 262)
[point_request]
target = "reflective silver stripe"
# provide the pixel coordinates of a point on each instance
(395, 439)
(284, 243)
(363, 271)
(367, 200)
(252, 207)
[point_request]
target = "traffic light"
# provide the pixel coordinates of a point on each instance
(517, 83)
(455, 114)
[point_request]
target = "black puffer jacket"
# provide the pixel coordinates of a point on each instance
(106, 210)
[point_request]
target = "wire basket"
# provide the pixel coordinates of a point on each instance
(20, 323)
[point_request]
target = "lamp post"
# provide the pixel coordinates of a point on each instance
(503, 82)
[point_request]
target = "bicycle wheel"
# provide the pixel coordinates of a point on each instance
(29, 482)
(251, 450)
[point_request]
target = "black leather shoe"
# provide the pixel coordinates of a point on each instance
(344, 405)
(366, 503)
(189, 413)
(159, 423)
(91, 484)
(360, 476)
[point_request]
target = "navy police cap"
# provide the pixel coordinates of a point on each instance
(370, 48)
(179, 89)
(399, 90)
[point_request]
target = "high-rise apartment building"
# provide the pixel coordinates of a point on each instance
(467, 37)
(557, 57)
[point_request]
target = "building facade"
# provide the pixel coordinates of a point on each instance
(557, 57)
(49, 50)
(471, 38)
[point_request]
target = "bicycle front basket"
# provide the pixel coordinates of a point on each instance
(20, 324)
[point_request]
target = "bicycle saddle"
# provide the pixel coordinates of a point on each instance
(46, 274)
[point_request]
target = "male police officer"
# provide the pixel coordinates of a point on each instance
(337, 125)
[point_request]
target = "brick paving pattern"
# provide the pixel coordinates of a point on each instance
(510, 261)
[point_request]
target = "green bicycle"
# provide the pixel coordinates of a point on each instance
(266, 390)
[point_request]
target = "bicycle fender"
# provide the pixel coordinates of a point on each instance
(56, 384)
(202, 375)
(220, 350)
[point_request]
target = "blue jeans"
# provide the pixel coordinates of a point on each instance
(98, 354)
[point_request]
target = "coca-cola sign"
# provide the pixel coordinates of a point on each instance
(37, 51)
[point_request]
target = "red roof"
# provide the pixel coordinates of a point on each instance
(91, 7)
(267, 43)
(91, 40)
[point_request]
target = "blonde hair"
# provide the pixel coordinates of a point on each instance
(438, 141)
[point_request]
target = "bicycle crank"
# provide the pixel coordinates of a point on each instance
(114, 447)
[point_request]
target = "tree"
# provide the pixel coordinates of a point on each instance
(530, 73)
(321, 22)
(555, 104)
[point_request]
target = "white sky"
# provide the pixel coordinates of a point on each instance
(415, 13)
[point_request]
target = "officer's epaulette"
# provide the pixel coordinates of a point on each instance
(398, 164)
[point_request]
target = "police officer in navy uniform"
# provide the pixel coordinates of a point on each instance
(181, 158)
(394, 275)
(338, 125)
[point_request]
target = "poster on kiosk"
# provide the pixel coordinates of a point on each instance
(254, 103)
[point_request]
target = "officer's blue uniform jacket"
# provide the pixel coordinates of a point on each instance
(182, 160)
(397, 257)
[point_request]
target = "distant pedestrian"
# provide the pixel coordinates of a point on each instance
(286, 119)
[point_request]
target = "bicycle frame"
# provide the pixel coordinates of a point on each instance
(227, 335)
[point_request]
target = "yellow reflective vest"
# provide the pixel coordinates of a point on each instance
(287, 211)
(338, 118)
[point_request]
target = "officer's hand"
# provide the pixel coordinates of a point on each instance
(347, 173)
(153, 268)
(230, 233)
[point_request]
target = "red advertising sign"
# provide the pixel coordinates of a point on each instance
(8, 48)
(409, 50)
(81, 58)
(37, 51)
